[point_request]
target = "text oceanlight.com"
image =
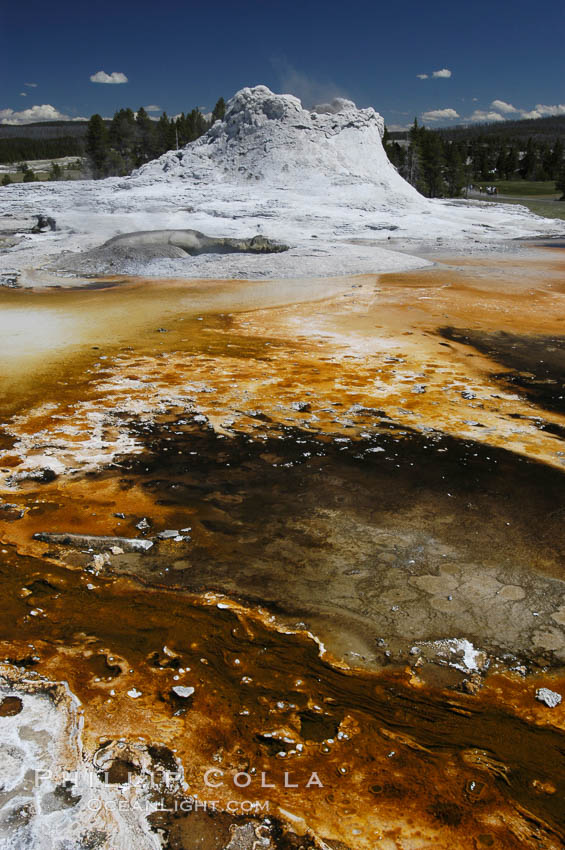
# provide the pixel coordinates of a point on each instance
(186, 805)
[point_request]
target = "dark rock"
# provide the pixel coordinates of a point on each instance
(10, 279)
(44, 222)
(11, 513)
(472, 684)
(143, 524)
(42, 476)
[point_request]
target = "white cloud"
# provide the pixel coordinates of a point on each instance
(439, 114)
(483, 115)
(443, 73)
(502, 111)
(116, 77)
(558, 109)
(541, 110)
(23, 94)
(152, 108)
(46, 112)
(31, 85)
(502, 106)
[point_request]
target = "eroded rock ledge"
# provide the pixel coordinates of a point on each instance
(146, 245)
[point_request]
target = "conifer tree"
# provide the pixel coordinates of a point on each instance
(146, 141)
(432, 163)
(122, 136)
(163, 133)
(511, 163)
(501, 163)
(393, 150)
(97, 144)
(556, 160)
(412, 170)
(529, 161)
(560, 182)
(454, 170)
(219, 111)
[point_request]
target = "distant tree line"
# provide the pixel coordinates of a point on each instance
(439, 164)
(44, 130)
(21, 149)
(539, 129)
(131, 139)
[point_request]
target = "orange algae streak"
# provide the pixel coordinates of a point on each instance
(352, 755)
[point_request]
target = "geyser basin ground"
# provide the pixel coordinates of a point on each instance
(284, 527)
(336, 461)
(316, 180)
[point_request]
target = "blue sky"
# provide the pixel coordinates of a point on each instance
(179, 55)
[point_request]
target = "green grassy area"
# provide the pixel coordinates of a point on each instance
(526, 188)
(18, 177)
(68, 174)
(548, 209)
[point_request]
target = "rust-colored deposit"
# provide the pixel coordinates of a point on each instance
(349, 500)
(394, 759)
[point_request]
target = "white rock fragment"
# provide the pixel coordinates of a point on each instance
(134, 693)
(168, 534)
(460, 654)
(143, 524)
(99, 561)
(548, 697)
(183, 691)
